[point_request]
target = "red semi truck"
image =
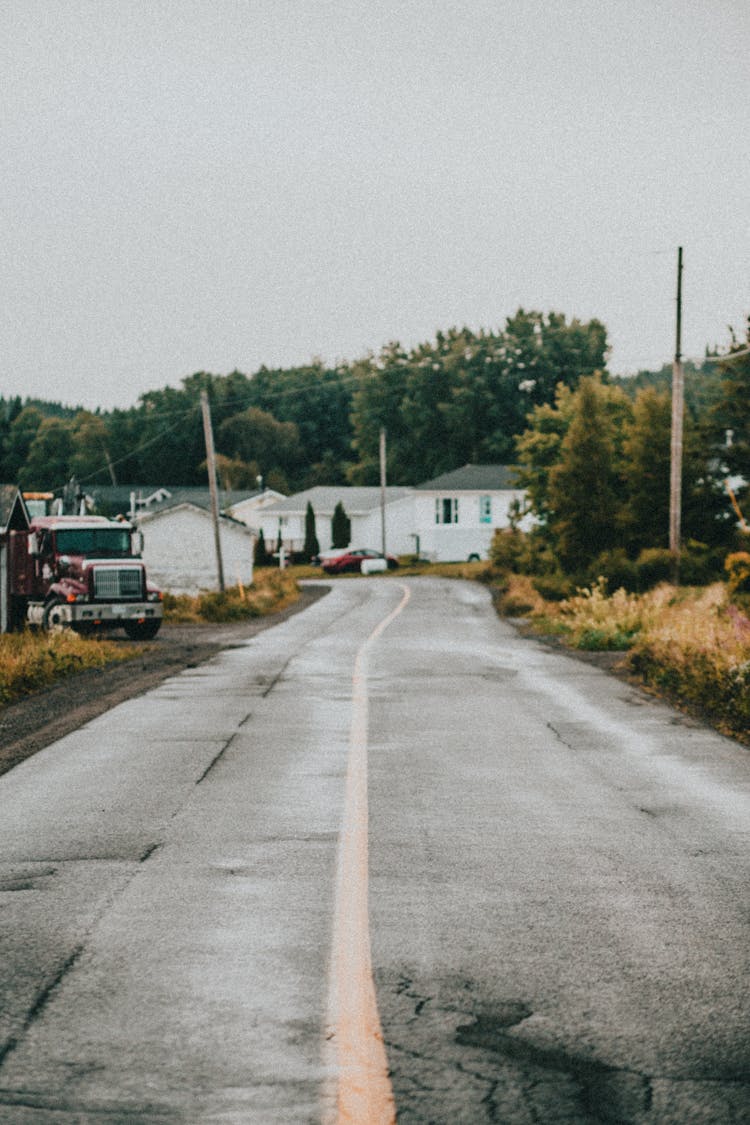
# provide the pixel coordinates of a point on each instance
(83, 573)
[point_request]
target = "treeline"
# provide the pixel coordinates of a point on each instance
(596, 466)
(463, 397)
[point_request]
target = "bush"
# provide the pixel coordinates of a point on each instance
(554, 587)
(271, 590)
(654, 565)
(599, 623)
(507, 549)
(619, 571)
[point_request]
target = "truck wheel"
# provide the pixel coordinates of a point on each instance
(52, 620)
(142, 630)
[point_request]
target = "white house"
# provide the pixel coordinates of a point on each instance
(455, 515)
(179, 548)
(449, 519)
(247, 509)
(361, 504)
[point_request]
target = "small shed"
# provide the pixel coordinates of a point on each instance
(180, 549)
(14, 517)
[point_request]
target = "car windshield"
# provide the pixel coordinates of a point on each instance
(104, 542)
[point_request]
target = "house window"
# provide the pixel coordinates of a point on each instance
(485, 509)
(446, 509)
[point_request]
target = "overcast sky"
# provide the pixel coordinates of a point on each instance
(217, 184)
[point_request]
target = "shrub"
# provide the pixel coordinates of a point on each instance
(602, 623)
(654, 565)
(619, 571)
(554, 587)
(507, 549)
(270, 591)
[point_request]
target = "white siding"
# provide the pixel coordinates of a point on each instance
(180, 553)
(456, 542)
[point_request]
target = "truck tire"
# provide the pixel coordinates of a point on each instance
(17, 615)
(52, 620)
(142, 630)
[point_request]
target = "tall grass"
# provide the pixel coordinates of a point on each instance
(272, 590)
(29, 661)
(692, 645)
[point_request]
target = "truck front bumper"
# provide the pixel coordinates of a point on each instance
(98, 613)
(113, 613)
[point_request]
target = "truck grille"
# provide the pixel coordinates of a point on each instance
(117, 582)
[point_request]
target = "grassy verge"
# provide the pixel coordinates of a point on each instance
(272, 590)
(690, 645)
(29, 661)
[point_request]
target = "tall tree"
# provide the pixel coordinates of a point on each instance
(48, 463)
(583, 489)
(311, 546)
(21, 433)
(341, 527)
(644, 517)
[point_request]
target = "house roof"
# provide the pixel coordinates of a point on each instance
(164, 497)
(474, 478)
(159, 511)
(324, 498)
(13, 512)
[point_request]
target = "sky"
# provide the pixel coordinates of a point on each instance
(211, 185)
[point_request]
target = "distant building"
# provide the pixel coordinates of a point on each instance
(286, 519)
(448, 519)
(456, 513)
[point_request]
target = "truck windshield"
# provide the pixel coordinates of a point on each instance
(103, 542)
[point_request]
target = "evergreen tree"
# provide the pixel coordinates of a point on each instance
(311, 547)
(341, 527)
(261, 556)
(583, 485)
(731, 416)
(644, 518)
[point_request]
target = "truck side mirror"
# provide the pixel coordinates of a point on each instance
(33, 545)
(136, 541)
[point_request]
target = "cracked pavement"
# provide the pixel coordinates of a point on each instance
(558, 878)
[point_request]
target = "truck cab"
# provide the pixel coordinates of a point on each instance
(85, 573)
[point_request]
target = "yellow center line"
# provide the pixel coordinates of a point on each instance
(363, 1094)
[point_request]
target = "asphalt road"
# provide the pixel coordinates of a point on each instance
(557, 869)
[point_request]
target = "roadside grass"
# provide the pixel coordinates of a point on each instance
(688, 644)
(30, 661)
(271, 591)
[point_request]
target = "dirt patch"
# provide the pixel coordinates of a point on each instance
(39, 719)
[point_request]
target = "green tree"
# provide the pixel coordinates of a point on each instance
(341, 527)
(48, 463)
(730, 419)
(311, 546)
(255, 436)
(261, 555)
(465, 397)
(90, 460)
(644, 518)
(583, 485)
(21, 433)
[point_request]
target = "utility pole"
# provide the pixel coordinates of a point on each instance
(382, 488)
(211, 465)
(678, 411)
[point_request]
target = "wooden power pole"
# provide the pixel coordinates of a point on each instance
(208, 433)
(382, 489)
(678, 411)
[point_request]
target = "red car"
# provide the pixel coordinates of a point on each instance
(352, 561)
